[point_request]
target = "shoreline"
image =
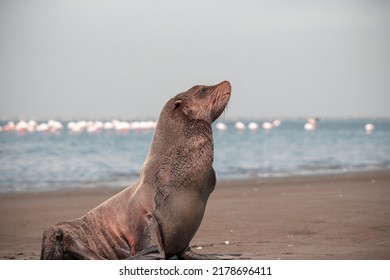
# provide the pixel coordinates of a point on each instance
(338, 216)
(117, 186)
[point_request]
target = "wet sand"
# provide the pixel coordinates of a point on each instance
(319, 217)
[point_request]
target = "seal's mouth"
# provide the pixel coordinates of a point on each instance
(222, 97)
(224, 89)
(219, 99)
(226, 95)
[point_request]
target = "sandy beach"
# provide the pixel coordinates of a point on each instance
(318, 217)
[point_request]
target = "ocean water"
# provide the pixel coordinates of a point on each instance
(41, 161)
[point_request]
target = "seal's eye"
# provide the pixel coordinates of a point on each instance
(203, 91)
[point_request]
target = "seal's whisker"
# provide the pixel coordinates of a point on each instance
(196, 118)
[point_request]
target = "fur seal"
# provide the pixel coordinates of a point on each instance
(157, 217)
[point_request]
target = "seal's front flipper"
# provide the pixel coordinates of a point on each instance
(188, 254)
(151, 253)
(151, 241)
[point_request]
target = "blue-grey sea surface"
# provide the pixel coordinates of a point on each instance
(41, 161)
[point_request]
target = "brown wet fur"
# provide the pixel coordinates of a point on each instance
(157, 217)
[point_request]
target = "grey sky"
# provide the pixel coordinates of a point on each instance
(102, 59)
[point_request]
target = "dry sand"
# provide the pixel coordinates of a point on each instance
(323, 217)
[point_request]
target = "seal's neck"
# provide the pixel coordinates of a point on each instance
(182, 150)
(172, 134)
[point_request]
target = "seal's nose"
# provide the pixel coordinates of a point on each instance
(225, 85)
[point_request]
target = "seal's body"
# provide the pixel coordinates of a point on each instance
(157, 217)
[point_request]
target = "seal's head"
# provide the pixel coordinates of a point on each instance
(202, 102)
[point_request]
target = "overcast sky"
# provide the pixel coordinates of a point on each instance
(103, 59)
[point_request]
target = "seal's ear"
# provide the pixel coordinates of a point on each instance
(179, 104)
(176, 104)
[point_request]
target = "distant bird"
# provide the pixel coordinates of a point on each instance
(122, 126)
(54, 126)
(93, 127)
(253, 126)
(311, 124)
(108, 125)
(267, 125)
(240, 126)
(43, 127)
(276, 123)
(369, 128)
(32, 126)
(21, 126)
(310, 127)
(221, 126)
(10, 126)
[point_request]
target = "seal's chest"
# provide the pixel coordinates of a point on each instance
(180, 219)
